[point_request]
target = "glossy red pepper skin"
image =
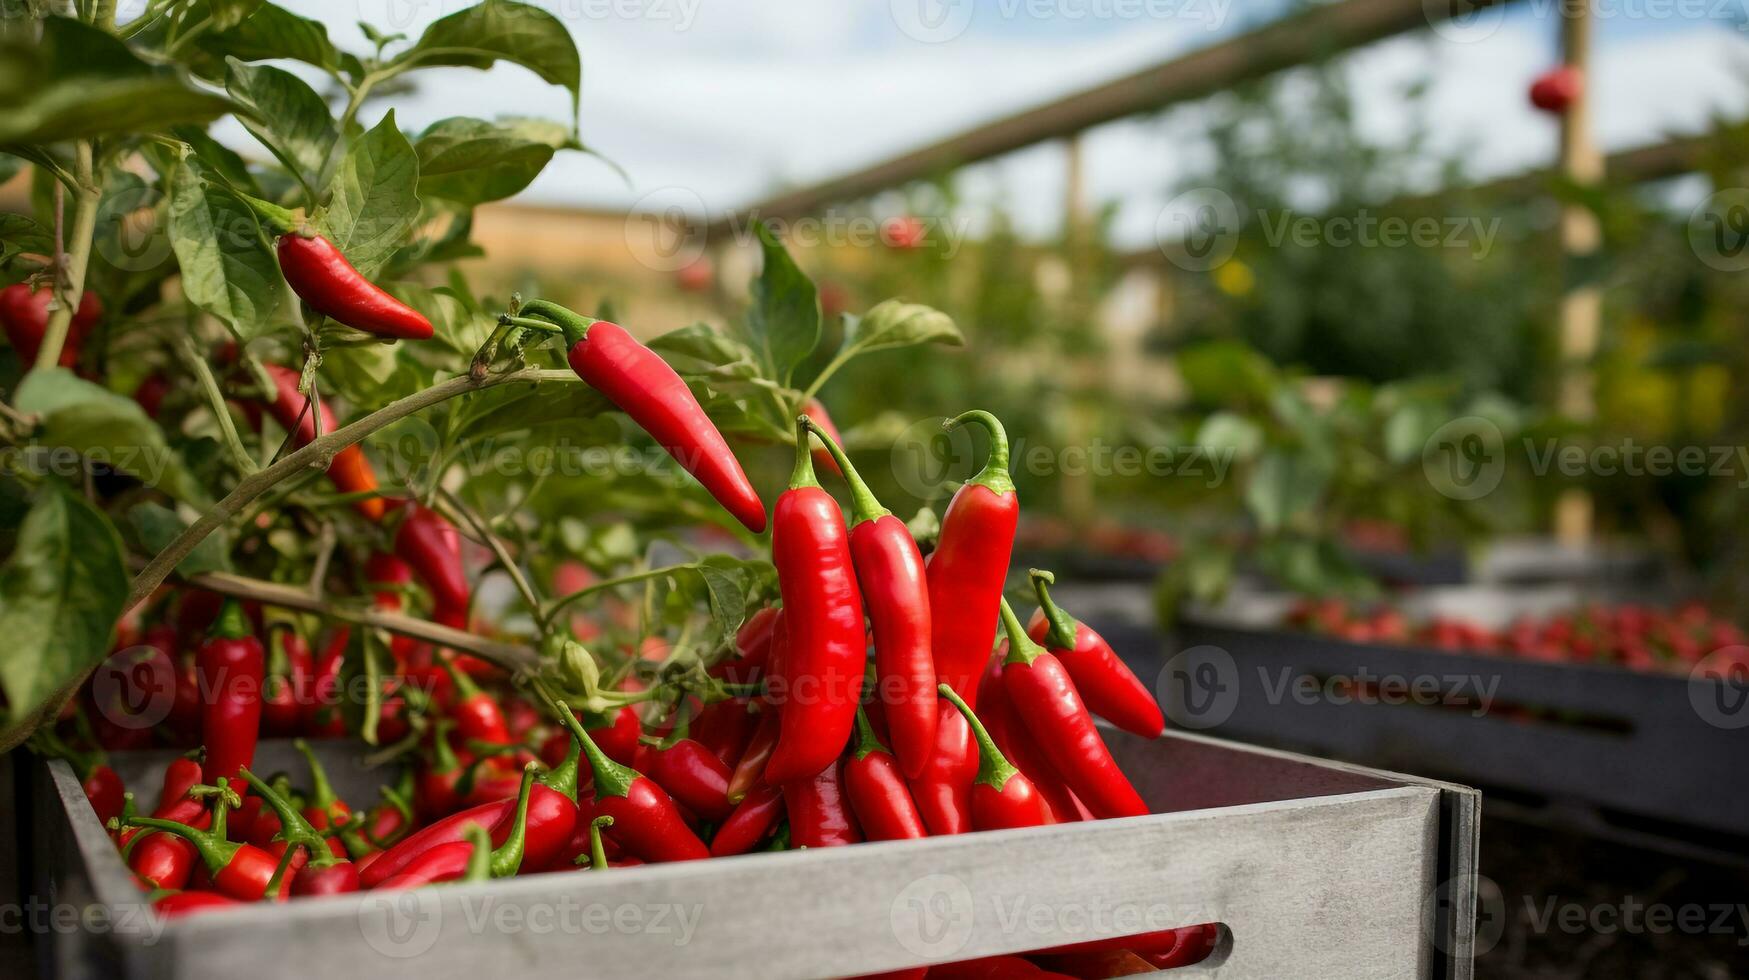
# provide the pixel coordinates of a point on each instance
(750, 770)
(104, 789)
(339, 878)
(822, 669)
(819, 811)
(1106, 684)
(725, 728)
(943, 793)
(646, 822)
(1003, 798)
(894, 584)
(165, 860)
(323, 717)
(231, 664)
(643, 386)
(432, 546)
(551, 818)
(350, 472)
(318, 272)
(440, 862)
(1193, 945)
(1017, 744)
(241, 871)
(178, 903)
(1041, 692)
(287, 689)
(693, 776)
(24, 313)
(970, 565)
(752, 821)
(877, 792)
(994, 968)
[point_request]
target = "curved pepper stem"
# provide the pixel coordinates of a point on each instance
(507, 859)
(865, 506)
(611, 778)
(994, 475)
(867, 742)
(564, 777)
(322, 794)
(1021, 649)
(214, 850)
(294, 829)
(480, 858)
(1063, 626)
(231, 623)
(574, 325)
(597, 851)
(803, 474)
(994, 769)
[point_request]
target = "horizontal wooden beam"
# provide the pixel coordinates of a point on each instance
(1317, 33)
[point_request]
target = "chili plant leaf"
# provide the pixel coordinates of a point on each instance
(219, 159)
(285, 114)
(20, 234)
(374, 200)
(227, 268)
(500, 31)
(103, 427)
(895, 324)
(157, 526)
(269, 33)
(61, 593)
(472, 161)
(227, 14)
(80, 82)
(784, 323)
(1285, 488)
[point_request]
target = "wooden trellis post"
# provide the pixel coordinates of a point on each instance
(1582, 303)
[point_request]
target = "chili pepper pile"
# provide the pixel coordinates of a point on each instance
(882, 694)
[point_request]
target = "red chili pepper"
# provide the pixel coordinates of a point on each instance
(324, 810)
(448, 862)
(751, 822)
(435, 790)
(105, 791)
(819, 812)
(350, 472)
(433, 547)
(693, 776)
(725, 728)
(944, 792)
(994, 968)
(877, 791)
(1194, 944)
(597, 853)
(176, 904)
(323, 869)
(231, 668)
(643, 386)
(895, 588)
(241, 871)
(24, 313)
(477, 714)
(151, 392)
(1002, 796)
(970, 564)
(318, 272)
(1557, 89)
(551, 817)
(1106, 684)
(290, 667)
(323, 717)
(1017, 744)
(181, 775)
(648, 824)
(750, 770)
(164, 860)
(1043, 694)
(825, 641)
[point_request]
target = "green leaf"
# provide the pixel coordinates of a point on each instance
(374, 200)
(700, 349)
(1285, 489)
(157, 526)
(218, 158)
(1220, 372)
(61, 592)
(513, 407)
(105, 427)
(285, 114)
(227, 268)
(227, 14)
(80, 82)
(9, 166)
(729, 584)
(784, 323)
(20, 234)
(499, 31)
(1409, 427)
(270, 33)
(895, 324)
(1229, 432)
(453, 322)
(472, 161)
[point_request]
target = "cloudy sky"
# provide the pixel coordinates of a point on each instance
(730, 99)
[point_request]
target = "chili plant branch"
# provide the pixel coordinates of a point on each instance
(70, 280)
(316, 454)
(492, 541)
